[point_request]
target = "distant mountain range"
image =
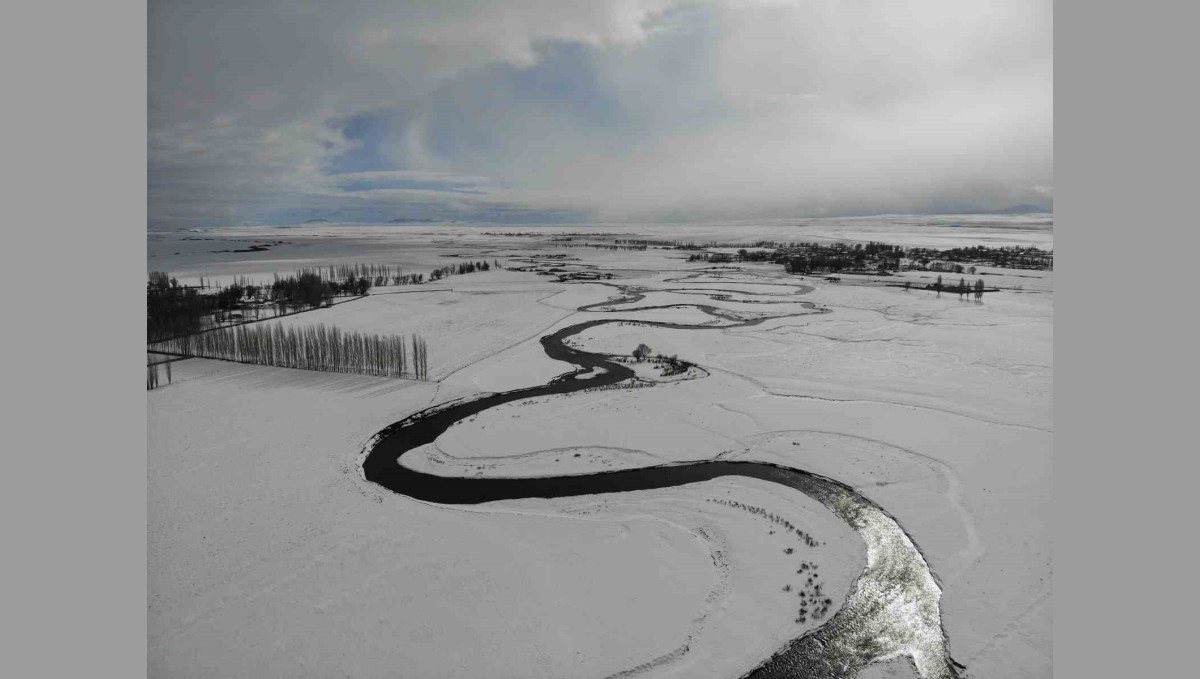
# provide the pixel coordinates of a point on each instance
(400, 220)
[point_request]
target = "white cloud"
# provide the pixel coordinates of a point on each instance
(627, 109)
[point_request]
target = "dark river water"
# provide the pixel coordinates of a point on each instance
(893, 610)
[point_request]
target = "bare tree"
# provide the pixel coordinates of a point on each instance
(316, 347)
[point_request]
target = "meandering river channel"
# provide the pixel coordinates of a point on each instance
(893, 610)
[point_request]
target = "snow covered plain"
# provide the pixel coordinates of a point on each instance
(224, 253)
(269, 552)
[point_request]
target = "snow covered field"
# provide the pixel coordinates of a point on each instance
(267, 550)
(467, 318)
(417, 248)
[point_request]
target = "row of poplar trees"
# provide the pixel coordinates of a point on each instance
(312, 347)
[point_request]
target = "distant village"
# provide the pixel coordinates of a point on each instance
(881, 259)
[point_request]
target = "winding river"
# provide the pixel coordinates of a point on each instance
(893, 610)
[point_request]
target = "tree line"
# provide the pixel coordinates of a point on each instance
(804, 258)
(378, 275)
(963, 289)
(743, 255)
(173, 309)
(879, 257)
(309, 288)
(1008, 257)
(312, 347)
(462, 268)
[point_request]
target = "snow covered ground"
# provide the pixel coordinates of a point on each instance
(465, 319)
(267, 550)
(418, 248)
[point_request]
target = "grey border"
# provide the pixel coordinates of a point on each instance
(1124, 603)
(74, 492)
(74, 413)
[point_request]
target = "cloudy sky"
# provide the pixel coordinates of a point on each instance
(264, 112)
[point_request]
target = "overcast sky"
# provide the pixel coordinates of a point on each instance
(264, 112)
